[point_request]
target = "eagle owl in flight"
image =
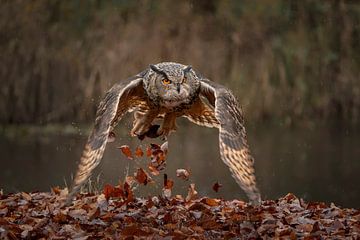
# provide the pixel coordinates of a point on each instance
(167, 91)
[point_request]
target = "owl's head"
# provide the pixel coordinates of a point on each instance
(171, 84)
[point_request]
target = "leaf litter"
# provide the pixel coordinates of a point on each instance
(117, 213)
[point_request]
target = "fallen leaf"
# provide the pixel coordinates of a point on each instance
(139, 152)
(192, 193)
(128, 193)
(60, 218)
(56, 190)
(216, 186)
(110, 191)
(168, 183)
(182, 173)
(166, 193)
(26, 196)
(148, 151)
(107, 191)
(211, 201)
(94, 213)
(141, 176)
(165, 147)
(126, 151)
(153, 170)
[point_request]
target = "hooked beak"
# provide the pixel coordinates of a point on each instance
(178, 87)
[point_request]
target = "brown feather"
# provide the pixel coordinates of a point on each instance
(117, 101)
(234, 149)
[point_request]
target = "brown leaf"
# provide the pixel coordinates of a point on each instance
(56, 190)
(182, 173)
(141, 176)
(26, 196)
(154, 146)
(128, 193)
(125, 149)
(139, 152)
(165, 147)
(211, 201)
(168, 183)
(166, 193)
(153, 170)
(107, 191)
(158, 157)
(133, 230)
(110, 191)
(192, 193)
(131, 180)
(216, 186)
(60, 218)
(94, 213)
(148, 151)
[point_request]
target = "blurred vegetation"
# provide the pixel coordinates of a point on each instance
(288, 61)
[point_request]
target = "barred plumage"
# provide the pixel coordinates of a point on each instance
(170, 90)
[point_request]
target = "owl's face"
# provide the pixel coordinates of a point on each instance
(171, 84)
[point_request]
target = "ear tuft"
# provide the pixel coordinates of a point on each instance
(154, 68)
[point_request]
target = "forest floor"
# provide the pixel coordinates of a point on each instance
(116, 213)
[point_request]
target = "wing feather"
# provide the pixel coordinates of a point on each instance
(117, 101)
(202, 114)
(234, 149)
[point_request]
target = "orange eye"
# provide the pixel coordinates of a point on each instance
(166, 81)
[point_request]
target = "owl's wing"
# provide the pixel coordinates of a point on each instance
(234, 149)
(202, 113)
(117, 101)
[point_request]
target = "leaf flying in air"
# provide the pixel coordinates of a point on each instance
(125, 149)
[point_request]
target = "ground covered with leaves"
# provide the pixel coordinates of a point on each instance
(40, 215)
(117, 213)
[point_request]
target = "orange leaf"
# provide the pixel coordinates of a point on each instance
(168, 183)
(128, 193)
(139, 152)
(111, 191)
(211, 201)
(126, 151)
(141, 176)
(148, 151)
(108, 190)
(153, 170)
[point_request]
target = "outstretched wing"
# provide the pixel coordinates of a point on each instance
(202, 113)
(234, 149)
(118, 100)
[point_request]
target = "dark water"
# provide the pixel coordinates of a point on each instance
(315, 164)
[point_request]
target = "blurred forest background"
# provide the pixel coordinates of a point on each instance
(287, 61)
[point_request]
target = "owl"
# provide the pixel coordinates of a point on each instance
(167, 91)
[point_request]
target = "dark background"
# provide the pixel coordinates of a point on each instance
(288, 61)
